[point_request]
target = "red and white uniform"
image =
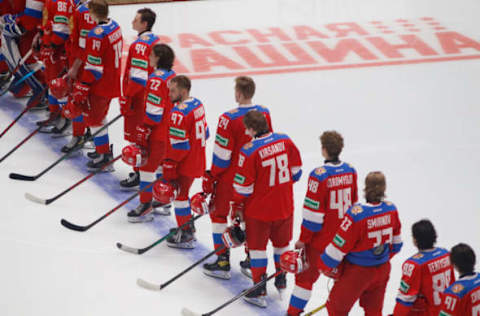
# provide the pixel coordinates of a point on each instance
(462, 298)
(229, 139)
(82, 24)
(331, 190)
(135, 79)
(367, 238)
(187, 133)
(156, 113)
(424, 278)
(267, 168)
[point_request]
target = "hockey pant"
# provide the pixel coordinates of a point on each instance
(12, 55)
(152, 170)
(183, 213)
(55, 67)
(220, 211)
(258, 234)
(94, 116)
(357, 282)
(303, 282)
(130, 122)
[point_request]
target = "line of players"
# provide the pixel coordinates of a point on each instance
(252, 172)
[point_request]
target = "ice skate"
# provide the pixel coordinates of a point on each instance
(141, 214)
(132, 182)
(183, 238)
(258, 296)
(245, 267)
(220, 268)
(161, 209)
(98, 163)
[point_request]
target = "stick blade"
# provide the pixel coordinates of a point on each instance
(128, 249)
(187, 312)
(147, 285)
(72, 226)
(35, 199)
(17, 176)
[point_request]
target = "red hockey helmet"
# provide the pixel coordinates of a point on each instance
(293, 261)
(59, 87)
(164, 193)
(198, 203)
(134, 155)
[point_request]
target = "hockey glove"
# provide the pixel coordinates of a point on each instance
(71, 110)
(10, 27)
(236, 210)
(80, 93)
(170, 169)
(126, 106)
(143, 134)
(333, 273)
(208, 182)
(233, 236)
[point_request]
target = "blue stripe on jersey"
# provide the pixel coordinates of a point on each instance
(78, 119)
(469, 283)
(217, 239)
(241, 111)
(207, 133)
(297, 176)
(396, 247)
(144, 184)
(52, 100)
(63, 36)
(424, 256)
(187, 106)
(329, 261)
(2, 58)
(140, 81)
(371, 210)
(404, 303)
(33, 13)
(182, 145)
(261, 142)
(154, 117)
(312, 226)
(182, 211)
(220, 162)
(367, 258)
(100, 140)
(298, 302)
(96, 74)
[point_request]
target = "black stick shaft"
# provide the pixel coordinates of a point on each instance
(17, 176)
(81, 181)
(192, 266)
(243, 293)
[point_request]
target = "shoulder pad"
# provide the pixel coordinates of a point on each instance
(357, 209)
(247, 146)
(320, 170)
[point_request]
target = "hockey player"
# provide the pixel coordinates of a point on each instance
(99, 83)
(229, 140)
(331, 190)
(425, 275)
(55, 32)
(266, 170)
(151, 133)
(359, 254)
(82, 24)
(462, 298)
(185, 154)
(135, 80)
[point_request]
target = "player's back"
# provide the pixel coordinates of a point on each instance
(230, 138)
(272, 162)
(108, 36)
(378, 228)
(137, 68)
(336, 185)
(82, 24)
(462, 297)
(157, 103)
(425, 276)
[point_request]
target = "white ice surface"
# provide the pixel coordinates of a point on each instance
(418, 123)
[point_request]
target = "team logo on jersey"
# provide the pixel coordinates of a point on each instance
(357, 209)
(388, 203)
(144, 38)
(320, 171)
(98, 30)
(233, 111)
(417, 256)
(404, 287)
(457, 288)
(247, 146)
(182, 106)
(339, 241)
(159, 72)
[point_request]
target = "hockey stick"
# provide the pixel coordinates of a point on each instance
(187, 312)
(27, 108)
(140, 251)
(19, 64)
(35, 199)
(25, 139)
(316, 310)
(79, 228)
(17, 176)
(36, 68)
(155, 287)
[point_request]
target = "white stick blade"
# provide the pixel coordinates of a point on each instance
(148, 285)
(127, 248)
(187, 312)
(35, 199)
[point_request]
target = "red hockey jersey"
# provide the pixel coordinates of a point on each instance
(267, 168)
(332, 189)
(424, 278)
(462, 298)
(103, 60)
(230, 138)
(138, 69)
(81, 26)
(368, 236)
(57, 18)
(188, 132)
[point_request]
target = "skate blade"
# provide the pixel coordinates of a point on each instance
(246, 272)
(224, 275)
(140, 219)
(161, 211)
(257, 301)
(108, 169)
(187, 312)
(183, 245)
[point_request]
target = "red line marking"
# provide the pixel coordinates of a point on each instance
(413, 30)
(332, 67)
